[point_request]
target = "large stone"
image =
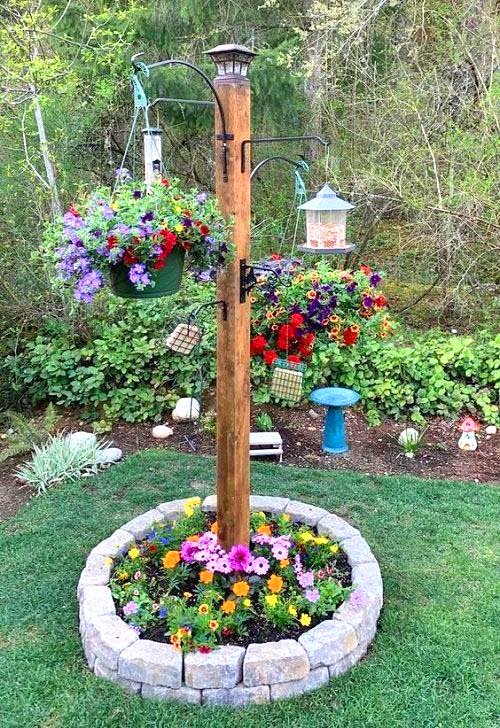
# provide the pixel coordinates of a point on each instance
(107, 637)
(109, 455)
(172, 510)
(357, 550)
(268, 504)
(328, 642)
(161, 432)
(315, 679)
(95, 573)
(151, 662)
(95, 601)
(367, 577)
(345, 664)
(187, 409)
(77, 439)
(304, 513)
(119, 542)
(236, 697)
(101, 670)
(336, 528)
(361, 611)
(209, 505)
(179, 695)
(140, 527)
(274, 662)
(221, 668)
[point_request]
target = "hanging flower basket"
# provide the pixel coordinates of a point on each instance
(137, 238)
(164, 282)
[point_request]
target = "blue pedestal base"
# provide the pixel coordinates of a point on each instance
(335, 399)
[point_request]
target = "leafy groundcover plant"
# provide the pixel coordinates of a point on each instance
(139, 228)
(179, 586)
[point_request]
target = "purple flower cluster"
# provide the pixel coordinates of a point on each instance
(139, 276)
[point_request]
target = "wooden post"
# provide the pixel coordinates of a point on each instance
(233, 334)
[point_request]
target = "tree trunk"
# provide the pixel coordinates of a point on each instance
(47, 161)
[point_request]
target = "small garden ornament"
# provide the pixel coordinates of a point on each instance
(467, 439)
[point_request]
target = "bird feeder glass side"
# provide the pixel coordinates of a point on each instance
(326, 229)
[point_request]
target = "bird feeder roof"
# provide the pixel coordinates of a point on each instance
(326, 199)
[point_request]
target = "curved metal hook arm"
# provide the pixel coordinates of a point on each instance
(294, 162)
(224, 137)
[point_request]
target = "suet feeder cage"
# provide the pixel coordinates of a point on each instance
(287, 380)
(326, 223)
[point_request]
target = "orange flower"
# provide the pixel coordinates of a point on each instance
(174, 639)
(193, 539)
(241, 588)
(171, 559)
(213, 624)
(214, 527)
(299, 278)
(228, 606)
(264, 529)
(311, 294)
(284, 563)
(269, 315)
(275, 583)
(206, 576)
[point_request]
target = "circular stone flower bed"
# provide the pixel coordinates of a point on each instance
(166, 612)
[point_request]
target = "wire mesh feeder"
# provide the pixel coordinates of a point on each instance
(185, 336)
(287, 380)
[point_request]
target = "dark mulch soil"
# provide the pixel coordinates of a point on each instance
(258, 630)
(374, 450)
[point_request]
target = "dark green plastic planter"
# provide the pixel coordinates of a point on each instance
(167, 280)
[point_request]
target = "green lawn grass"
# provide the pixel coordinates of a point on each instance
(433, 660)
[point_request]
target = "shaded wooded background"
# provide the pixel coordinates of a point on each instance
(405, 89)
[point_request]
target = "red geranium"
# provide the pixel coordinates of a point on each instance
(112, 241)
(275, 256)
(366, 270)
(258, 344)
(306, 344)
(270, 356)
(380, 301)
(204, 649)
(129, 258)
(204, 229)
(350, 336)
(165, 182)
(294, 359)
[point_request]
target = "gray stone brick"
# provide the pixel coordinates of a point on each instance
(328, 642)
(119, 542)
(347, 662)
(361, 611)
(179, 695)
(268, 504)
(151, 662)
(172, 510)
(315, 679)
(367, 577)
(101, 670)
(95, 573)
(274, 662)
(221, 668)
(107, 637)
(95, 601)
(357, 550)
(336, 528)
(236, 697)
(305, 513)
(140, 526)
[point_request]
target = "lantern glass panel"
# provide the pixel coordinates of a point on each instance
(326, 228)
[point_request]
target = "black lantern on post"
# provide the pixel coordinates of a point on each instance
(231, 60)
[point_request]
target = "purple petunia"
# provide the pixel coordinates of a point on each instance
(375, 279)
(305, 579)
(312, 595)
(139, 276)
(130, 608)
(201, 197)
(87, 286)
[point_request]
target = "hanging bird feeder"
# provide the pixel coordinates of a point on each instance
(326, 224)
(287, 380)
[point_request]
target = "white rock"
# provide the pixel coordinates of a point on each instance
(79, 438)
(491, 430)
(187, 409)
(409, 434)
(161, 432)
(109, 455)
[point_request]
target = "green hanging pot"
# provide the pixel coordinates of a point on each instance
(167, 280)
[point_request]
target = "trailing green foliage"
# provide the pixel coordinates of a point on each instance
(27, 433)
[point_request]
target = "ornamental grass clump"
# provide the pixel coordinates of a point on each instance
(137, 227)
(59, 460)
(180, 586)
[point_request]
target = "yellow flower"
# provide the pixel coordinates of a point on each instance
(265, 529)
(305, 537)
(271, 600)
(122, 575)
(284, 563)
(171, 559)
(334, 548)
(108, 561)
(114, 206)
(176, 208)
(203, 609)
(213, 624)
(134, 553)
(292, 610)
(253, 299)
(320, 540)
(206, 576)
(305, 619)
(178, 228)
(247, 602)
(190, 505)
(187, 595)
(286, 517)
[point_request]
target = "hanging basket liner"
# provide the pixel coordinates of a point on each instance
(167, 280)
(287, 380)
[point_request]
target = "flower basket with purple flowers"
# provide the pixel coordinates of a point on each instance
(137, 238)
